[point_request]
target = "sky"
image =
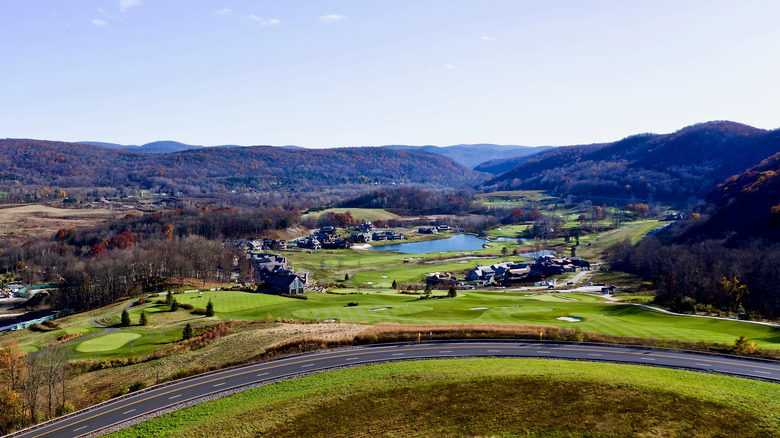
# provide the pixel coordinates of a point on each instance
(326, 73)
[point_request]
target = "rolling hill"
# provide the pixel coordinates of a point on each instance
(215, 169)
(471, 155)
(673, 167)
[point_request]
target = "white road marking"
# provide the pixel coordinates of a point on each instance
(352, 358)
(82, 427)
(494, 351)
(177, 395)
(647, 358)
(398, 354)
(702, 364)
(262, 374)
(762, 372)
(125, 413)
(445, 351)
(307, 365)
(594, 354)
(543, 351)
(219, 384)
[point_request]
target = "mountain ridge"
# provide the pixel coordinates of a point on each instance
(683, 164)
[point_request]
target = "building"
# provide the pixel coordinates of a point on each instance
(284, 284)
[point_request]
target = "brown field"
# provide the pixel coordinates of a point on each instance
(26, 220)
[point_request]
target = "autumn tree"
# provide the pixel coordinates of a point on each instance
(168, 231)
(12, 364)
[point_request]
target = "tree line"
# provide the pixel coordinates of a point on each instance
(706, 275)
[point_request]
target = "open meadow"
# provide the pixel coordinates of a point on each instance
(35, 219)
(486, 397)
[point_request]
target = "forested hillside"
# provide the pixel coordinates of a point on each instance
(727, 255)
(471, 155)
(672, 167)
(26, 164)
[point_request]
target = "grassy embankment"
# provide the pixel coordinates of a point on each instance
(486, 397)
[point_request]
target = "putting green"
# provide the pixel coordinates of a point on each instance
(111, 341)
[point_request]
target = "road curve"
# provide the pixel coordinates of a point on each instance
(189, 391)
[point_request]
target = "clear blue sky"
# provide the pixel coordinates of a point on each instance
(350, 73)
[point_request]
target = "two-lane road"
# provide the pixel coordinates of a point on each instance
(160, 398)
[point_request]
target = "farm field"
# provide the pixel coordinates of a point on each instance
(365, 214)
(486, 397)
(33, 219)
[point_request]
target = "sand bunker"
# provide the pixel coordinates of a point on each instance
(569, 318)
(480, 308)
(381, 308)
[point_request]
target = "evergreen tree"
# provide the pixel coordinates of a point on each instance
(428, 290)
(346, 277)
(144, 319)
(210, 308)
(169, 299)
(174, 305)
(452, 293)
(187, 332)
(125, 319)
(395, 285)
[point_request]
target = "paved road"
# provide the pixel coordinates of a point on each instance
(159, 398)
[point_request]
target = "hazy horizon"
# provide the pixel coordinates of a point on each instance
(349, 73)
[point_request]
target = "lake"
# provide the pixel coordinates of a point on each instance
(458, 242)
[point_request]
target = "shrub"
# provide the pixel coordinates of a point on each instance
(744, 346)
(51, 324)
(143, 300)
(137, 386)
(41, 328)
(186, 306)
(67, 337)
(352, 304)
(199, 312)
(122, 391)
(64, 409)
(299, 297)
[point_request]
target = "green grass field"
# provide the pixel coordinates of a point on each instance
(365, 214)
(378, 269)
(486, 397)
(597, 316)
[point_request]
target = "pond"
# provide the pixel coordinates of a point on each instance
(458, 242)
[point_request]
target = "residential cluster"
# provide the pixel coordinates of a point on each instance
(511, 273)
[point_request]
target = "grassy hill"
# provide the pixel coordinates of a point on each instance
(486, 397)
